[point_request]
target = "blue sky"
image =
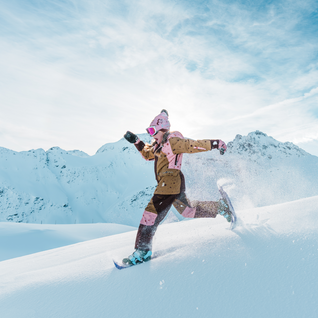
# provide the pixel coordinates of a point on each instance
(78, 74)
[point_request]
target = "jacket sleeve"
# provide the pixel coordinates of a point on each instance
(146, 150)
(180, 145)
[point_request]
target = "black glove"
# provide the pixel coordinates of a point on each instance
(129, 136)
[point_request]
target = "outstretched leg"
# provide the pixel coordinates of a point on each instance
(197, 209)
(155, 212)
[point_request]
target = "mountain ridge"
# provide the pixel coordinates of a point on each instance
(115, 184)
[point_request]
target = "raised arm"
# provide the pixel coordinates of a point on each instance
(146, 150)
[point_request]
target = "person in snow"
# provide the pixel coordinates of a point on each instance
(166, 151)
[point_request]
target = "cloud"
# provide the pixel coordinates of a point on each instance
(78, 74)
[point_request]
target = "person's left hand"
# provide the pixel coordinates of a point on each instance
(222, 147)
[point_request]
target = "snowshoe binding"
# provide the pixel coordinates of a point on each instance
(224, 210)
(137, 257)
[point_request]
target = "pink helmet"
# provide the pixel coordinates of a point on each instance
(160, 122)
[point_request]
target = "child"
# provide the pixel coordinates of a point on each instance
(166, 151)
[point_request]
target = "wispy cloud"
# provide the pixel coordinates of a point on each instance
(80, 73)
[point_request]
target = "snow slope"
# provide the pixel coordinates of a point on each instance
(115, 185)
(19, 239)
(266, 267)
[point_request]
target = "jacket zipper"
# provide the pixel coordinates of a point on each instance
(176, 161)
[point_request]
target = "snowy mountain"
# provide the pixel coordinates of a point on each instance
(266, 267)
(257, 171)
(114, 185)
(61, 186)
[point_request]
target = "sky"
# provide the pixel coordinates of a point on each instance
(79, 74)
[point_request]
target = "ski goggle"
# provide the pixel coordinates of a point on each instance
(152, 130)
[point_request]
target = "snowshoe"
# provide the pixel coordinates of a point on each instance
(226, 208)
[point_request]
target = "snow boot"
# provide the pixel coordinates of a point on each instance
(138, 256)
(224, 210)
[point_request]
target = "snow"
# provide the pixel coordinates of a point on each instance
(52, 267)
(22, 239)
(266, 267)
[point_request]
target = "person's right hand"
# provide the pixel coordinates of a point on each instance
(131, 137)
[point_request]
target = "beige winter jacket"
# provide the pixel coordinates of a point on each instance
(168, 159)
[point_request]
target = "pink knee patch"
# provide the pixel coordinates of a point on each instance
(189, 212)
(148, 218)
